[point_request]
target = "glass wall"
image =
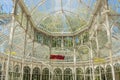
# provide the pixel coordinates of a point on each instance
(68, 42)
(56, 42)
(15, 73)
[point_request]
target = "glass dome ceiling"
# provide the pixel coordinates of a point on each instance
(62, 16)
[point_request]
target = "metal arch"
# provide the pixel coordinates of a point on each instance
(17, 66)
(108, 65)
(36, 68)
(55, 12)
(88, 68)
(60, 12)
(85, 46)
(98, 67)
(67, 69)
(79, 69)
(57, 69)
(39, 4)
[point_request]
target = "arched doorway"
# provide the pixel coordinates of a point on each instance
(79, 74)
(117, 71)
(99, 73)
(36, 74)
(108, 72)
(16, 73)
(26, 74)
(57, 75)
(88, 74)
(45, 74)
(68, 74)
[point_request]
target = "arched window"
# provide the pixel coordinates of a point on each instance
(10, 71)
(36, 74)
(99, 73)
(26, 73)
(117, 71)
(68, 74)
(16, 73)
(108, 72)
(45, 74)
(57, 75)
(79, 74)
(88, 74)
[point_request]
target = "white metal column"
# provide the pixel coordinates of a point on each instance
(109, 35)
(10, 48)
(92, 63)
